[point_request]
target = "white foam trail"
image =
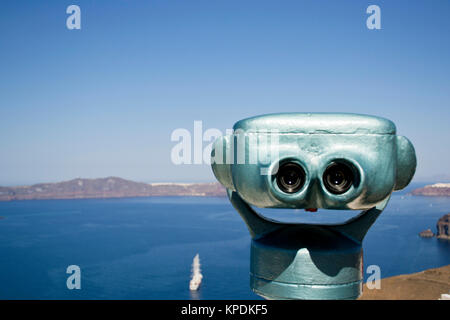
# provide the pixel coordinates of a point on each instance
(197, 276)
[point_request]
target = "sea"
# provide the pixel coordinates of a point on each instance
(142, 248)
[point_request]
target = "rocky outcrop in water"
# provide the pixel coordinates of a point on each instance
(426, 234)
(443, 226)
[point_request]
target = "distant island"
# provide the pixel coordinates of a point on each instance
(114, 187)
(433, 190)
(111, 187)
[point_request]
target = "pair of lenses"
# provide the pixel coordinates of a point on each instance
(337, 178)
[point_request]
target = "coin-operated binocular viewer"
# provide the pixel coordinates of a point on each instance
(310, 161)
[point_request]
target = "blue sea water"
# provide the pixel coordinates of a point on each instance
(142, 248)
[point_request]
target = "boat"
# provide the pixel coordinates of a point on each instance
(197, 276)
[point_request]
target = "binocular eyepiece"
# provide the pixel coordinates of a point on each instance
(290, 177)
(337, 178)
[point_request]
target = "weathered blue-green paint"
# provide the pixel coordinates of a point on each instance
(306, 261)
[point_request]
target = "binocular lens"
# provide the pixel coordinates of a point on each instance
(290, 177)
(338, 178)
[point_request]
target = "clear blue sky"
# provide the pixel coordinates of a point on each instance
(103, 100)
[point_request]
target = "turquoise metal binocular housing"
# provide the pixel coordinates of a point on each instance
(310, 161)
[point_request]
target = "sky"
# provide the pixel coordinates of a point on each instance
(104, 100)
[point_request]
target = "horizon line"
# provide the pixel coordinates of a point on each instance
(418, 180)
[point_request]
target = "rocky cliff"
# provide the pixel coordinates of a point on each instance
(111, 187)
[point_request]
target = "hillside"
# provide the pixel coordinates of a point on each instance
(111, 187)
(425, 285)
